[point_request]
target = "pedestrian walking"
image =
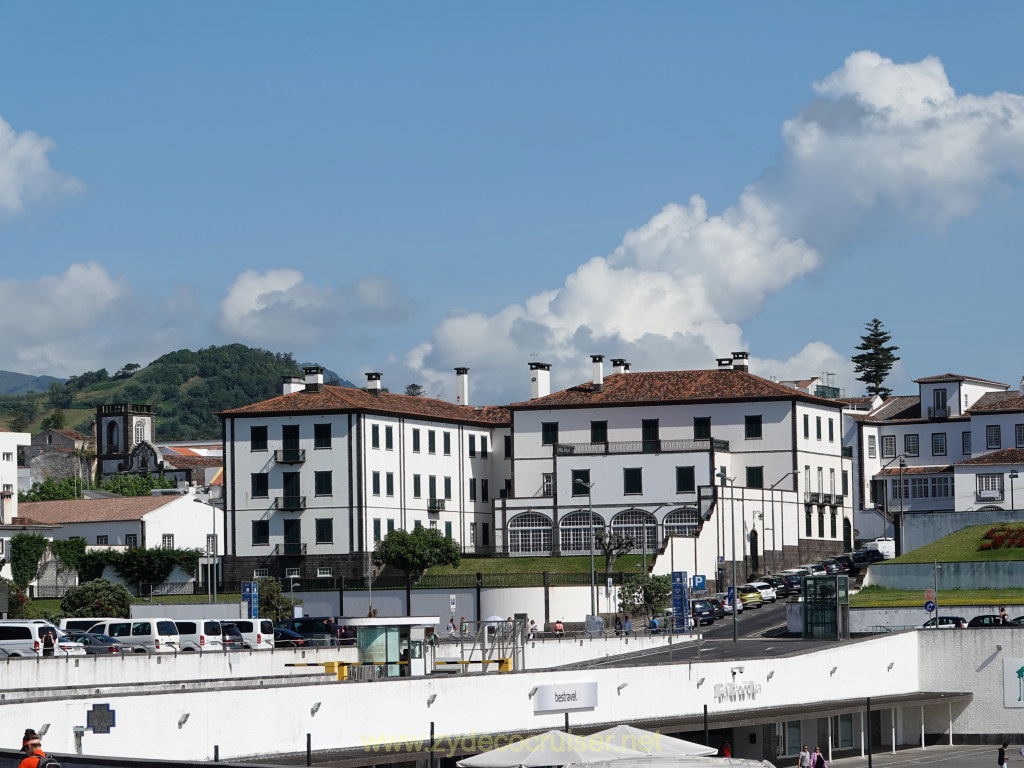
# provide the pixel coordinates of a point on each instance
(727, 749)
(533, 630)
(627, 626)
(803, 760)
(32, 747)
(1002, 760)
(453, 630)
(818, 761)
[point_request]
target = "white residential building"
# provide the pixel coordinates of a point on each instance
(9, 444)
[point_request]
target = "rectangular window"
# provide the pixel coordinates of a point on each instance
(415, 441)
(990, 486)
(376, 483)
(322, 435)
(965, 441)
(324, 530)
(472, 489)
(472, 445)
(389, 438)
(131, 540)
(261, 532)
(938, 444)
(701, 427)
(632, 480)
(752, 427)
(831, 433)
(375, 436)
(483, 447)
(755, 477)
(900, 491)
(599, 431)
(8, 456)
(167, 541)
(472, 534)
(581, 482)
(431, 441)
(376, 530)
(831, 481)
(911, 446)
(389, 483)
(508, 446)
(416, 490)
(547, 484)
(808, 531)
(289, 572)
(993, 440)
(432, 486)
(447, 529)
(846, 483)
(101, 541)
(821, 523)
(832, 526)
(1018, 435)
(485, 493)
(888, 446)
(324, 571)
(817, 426)
(447, 443)
(485, 534)
(686, 480)
(260, 485)
(323, 483)
(549, 433)
(871, 446)
(447, 488)
(919, 487)
(807, 427)
(260, 573)
(258, 438)
(417, 524)
(391, 525)
(650, 435)
(940, 487)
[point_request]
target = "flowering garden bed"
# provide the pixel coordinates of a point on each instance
(1002, 537)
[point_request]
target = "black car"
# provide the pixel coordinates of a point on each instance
(847, 564)
(986, 620)
(285, 638)
(718, 607)
(94, 644)
(831, 567)
(795, 582)
(779, 584)
(702, 612)
(868, 556)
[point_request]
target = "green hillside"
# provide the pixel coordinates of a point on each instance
(12, 383)
(185, 388)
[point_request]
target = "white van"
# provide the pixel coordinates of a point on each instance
(199, 635)
(257, 633)
(82, 625)
(146, 635)
(24, 637)
(886, 546)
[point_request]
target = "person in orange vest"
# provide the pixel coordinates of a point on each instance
(32, 746)
(559, 628)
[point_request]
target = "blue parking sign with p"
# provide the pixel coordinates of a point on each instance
(700, 582)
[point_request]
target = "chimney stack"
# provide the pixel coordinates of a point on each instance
(619, 365)
(373, 383)
(725, 363)
(739, 361)
(291, 384)
(462, 386)
(314, 378)
(540, 380)
(598, 361)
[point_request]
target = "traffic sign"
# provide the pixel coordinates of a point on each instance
(929, 606)
(700, 582)
(929, 594)
(451, 603)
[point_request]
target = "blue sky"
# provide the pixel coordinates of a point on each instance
(411, 187)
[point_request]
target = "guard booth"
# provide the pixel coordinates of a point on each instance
(392, 646)
(826, 607)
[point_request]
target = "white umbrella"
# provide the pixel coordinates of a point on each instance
(552, 748)
(652, 743)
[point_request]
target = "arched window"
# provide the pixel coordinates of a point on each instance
(529, 533)
(641, 525)
(574, 532)
(111, 436)
(682, 522)
(140, 432)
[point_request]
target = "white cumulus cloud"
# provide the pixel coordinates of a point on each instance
(25, 172)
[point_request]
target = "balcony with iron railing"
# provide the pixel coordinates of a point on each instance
(435, 505)
(937, 413)
(640, 446)
(812, 497)
(290, 503)
(289, 549)
(290, 455)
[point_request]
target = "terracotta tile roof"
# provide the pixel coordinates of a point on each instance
(70, 433)
(91, 510)
(1005, 456)
(192, 462)
(24, 522)
(998, 401)
(331, 399)
(672, 387)
(956, 377)
(898, 407)
(854, 401)
(908, 471)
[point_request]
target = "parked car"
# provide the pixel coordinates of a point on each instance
(795, 581)
(24, 637)
(946, 622)
(717, 607)
(847, 564)
(200, 635)
(831, 567)
(726, 601)
(815, 569)
(285, 638)
(82, 625)
(94, 644)
(702, 612)
(257, 634)
(871, 555)
(750, 595)
(313, 628)
(780, 584)
(143, 635)
(231, 639)
(986, 620)
(766, 590)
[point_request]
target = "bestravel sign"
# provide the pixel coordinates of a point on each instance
(565, 697)
(733, 692)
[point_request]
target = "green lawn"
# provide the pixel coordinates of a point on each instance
(881, 597)
(961, 546)
(471, 565)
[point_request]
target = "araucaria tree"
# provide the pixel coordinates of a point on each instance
(875, 360)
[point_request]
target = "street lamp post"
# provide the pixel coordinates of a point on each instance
(732, 523)
(935, 575)
(593, 580)
(903, 493)
(771, 491)
(1012, 476)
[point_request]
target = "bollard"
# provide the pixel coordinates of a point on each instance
(216, 753)
(309, 749)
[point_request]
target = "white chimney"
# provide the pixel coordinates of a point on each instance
(725, 363)
(619, 365)
(291, 384)
(462, 386)
(598, 362)
(1020, 387)
(373, 383)
(540, 380)
(314, 378)
(740, 361)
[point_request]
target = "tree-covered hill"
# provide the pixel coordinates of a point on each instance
(186, 389)
(12, 383)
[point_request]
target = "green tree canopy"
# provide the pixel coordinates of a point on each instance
(273, 604)
(18, 422)
(415, 390)
(612, 546)
(54, 421)
(98, 597)
(416, 551)
(646, 594)
(59, 395)
(876, 359)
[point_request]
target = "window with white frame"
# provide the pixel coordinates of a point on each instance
(938, 444)
(8, 456)
(940, 487)
(919, 487)
(101, 541)
(990, 486)
(682, 522)
(260, 573)
(167, 541)
(911, 445)
(1018, 435)
(324, 571)
(871, 446)
(211, 543)
(472, 534)
(965, 439)
(289, 572)
(888, 446)
(993, 439)
(131, 540)
(900, 490)
(529, 533)
(547, 484)
(574, 531)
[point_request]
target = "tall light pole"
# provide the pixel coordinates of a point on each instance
(1012, 476)
(735, 591)
(771, 491)
(935, 574)
(903, 493)
(593, 581)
